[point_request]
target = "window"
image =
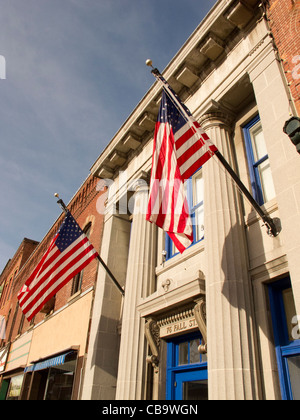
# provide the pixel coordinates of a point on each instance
(21, 324)
(286, 337)
(194, 187)
(77, 281)
(4, 293)
(258, 161)
(14, 389)
(60, 380)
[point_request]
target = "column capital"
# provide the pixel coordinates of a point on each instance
(140, 183)
(216, 114)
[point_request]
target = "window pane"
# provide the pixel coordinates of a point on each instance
(258, 142)
(194, 353)
(198, 221)
(290, 310)
(195, 390)
(294, 368)
(204, 358)
(174, 249)
(15, 387)
(183, 353)
(60, 381)
(266, 180)
(198, 188)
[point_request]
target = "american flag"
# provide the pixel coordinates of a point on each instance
(180, 148)
(69, 252)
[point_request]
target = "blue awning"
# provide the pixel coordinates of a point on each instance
(45, 364)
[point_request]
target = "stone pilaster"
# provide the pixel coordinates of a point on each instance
(232, 372)
(139, 283)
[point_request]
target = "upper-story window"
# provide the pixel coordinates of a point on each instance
(194, 187)
(77, 281)
(258, 161)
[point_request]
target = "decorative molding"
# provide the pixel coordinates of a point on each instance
(166, 285)
(217, 114)
(200, 316)
(152, 331)
(180, 316)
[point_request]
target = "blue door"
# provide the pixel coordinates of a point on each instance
(186, 369)
(287, 337)
(191, 385)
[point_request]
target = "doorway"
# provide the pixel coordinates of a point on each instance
(186, 369)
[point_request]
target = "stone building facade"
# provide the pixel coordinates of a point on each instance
(220, 320)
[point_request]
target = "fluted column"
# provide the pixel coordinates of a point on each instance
(139, 282)
(232, 372)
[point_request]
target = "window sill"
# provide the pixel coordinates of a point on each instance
(74, 296)
(179, 258)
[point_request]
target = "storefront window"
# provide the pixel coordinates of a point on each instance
(52, 379)
(15, 386)
(60, 381)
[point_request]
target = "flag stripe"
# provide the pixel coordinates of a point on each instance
(56, 258)
(180, 148)
(68, 253)
(55, 282)
(38, 267)
(58, 270)
(55, 286)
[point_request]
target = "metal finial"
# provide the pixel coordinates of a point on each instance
(149, 63)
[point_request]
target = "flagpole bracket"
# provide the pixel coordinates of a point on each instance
(273, 226)
(155, 72)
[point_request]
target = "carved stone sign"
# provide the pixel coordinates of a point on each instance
(180, 322)
(178, 327)
(185, 320)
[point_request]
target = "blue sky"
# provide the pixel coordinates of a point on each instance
(75, 70)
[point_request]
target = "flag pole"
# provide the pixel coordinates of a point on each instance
(272, 229)
(64, 207)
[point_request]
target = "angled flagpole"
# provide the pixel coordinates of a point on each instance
(64, 208)
(268, 221)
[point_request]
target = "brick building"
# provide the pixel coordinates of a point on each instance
(10, 272)
(44, 358)
(284, 22)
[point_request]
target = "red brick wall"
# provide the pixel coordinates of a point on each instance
(10, 273)
(284, 21)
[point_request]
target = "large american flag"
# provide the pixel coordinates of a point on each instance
(69, 252)
(180, 148)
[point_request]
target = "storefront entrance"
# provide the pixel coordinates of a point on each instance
(186, 369)
(51, 379)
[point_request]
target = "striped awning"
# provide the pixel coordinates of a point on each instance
(45, 364)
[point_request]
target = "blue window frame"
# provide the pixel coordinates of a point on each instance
(186, 369)
(195, 194)
(286, 337)
(258, 162)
